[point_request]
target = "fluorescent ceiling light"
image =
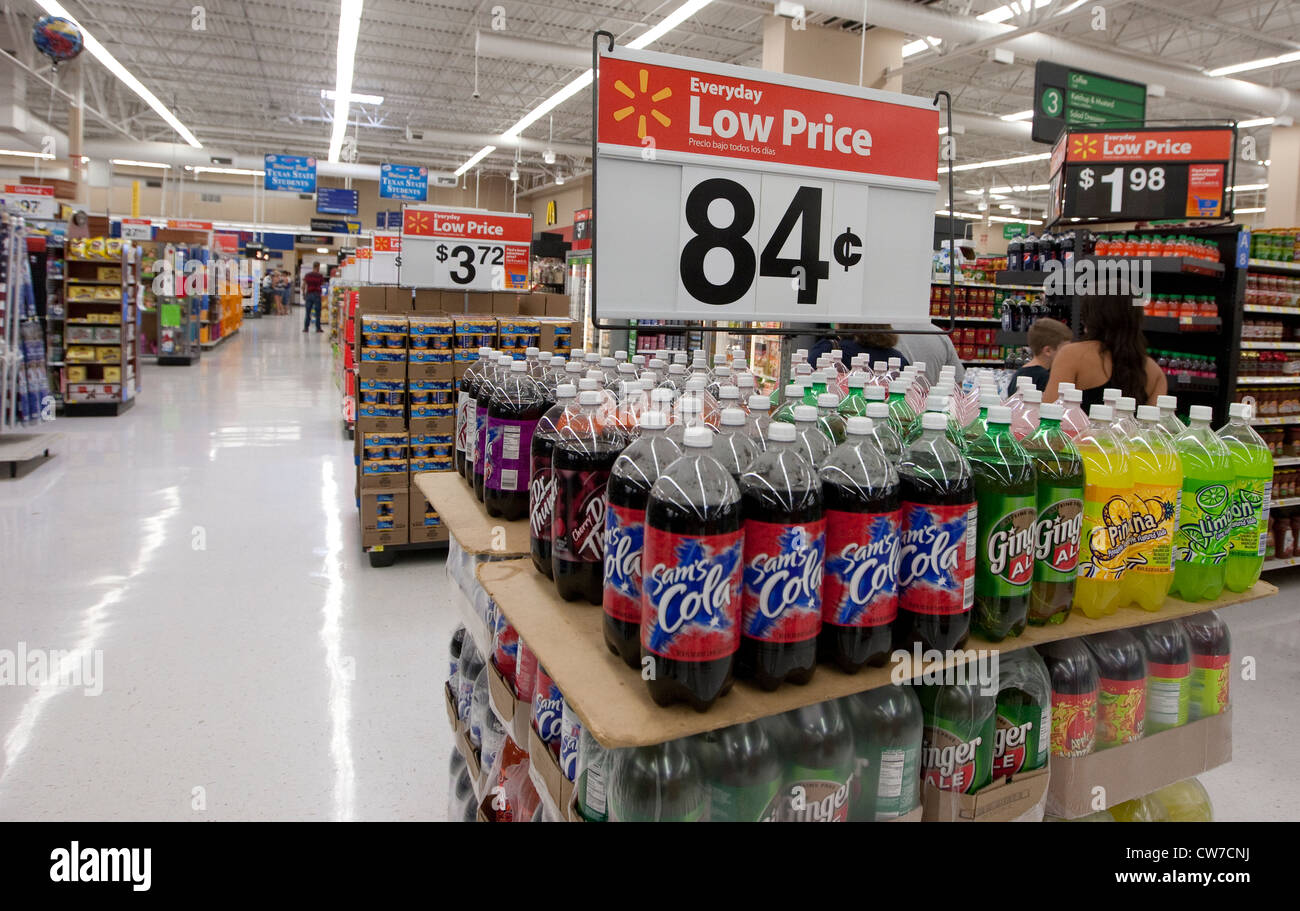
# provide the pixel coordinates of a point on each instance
(345, 60)
(126, 162)
(974, 216)
(1018, 115)
(1016, 221)
(354, 98)
(322, 249)
(98, 51)
(245, 172)
(478, 156)
(1257, 122)
(998, 162)
(1006, 206)
(1251, 211)
(41, 155)
(668, 23)
(1259, 64)
(1246, 187)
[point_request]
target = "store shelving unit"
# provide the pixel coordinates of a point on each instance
(1271, 265)
(102, 333)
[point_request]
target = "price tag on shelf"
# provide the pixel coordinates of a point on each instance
(727, 193)
(464, 249)
(30, 201)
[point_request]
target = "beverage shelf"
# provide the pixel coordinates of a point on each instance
(1268, 380)
(1268, 265)
(1283, 461)
(984, 362)
(614, 703)
(466, 519)
(1287, 501)
(1175, 325)
(1032, 281)
(979, 320)
(1280, 563)
(1260, 344)
(943, 283)
(1276, 421)
(1192, 383)
(1167, 265)
(1263, 308)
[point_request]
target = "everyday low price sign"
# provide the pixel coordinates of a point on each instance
(30, 201)
(384, 250)
(292, 173)
(404, 181)
(464, 249)
(728, 193)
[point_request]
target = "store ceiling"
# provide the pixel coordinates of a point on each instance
(251, 80)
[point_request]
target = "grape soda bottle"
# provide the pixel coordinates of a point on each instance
(513, 413)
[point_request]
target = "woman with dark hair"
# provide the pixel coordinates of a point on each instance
(877, 342)
(1113, 353)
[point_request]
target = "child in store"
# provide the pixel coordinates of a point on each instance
(1046, 336)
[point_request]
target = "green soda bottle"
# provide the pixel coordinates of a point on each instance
(1252, 491)
(1205, 526)
(980, 425)
(854, 405)
(901, 414)
(1059, 529)
(829, 418)
(1006, 491)
(820, 383)
(785, 411)
(957, 736)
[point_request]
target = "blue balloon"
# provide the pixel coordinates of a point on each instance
(57, 38)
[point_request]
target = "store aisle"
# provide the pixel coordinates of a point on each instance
(203, 546)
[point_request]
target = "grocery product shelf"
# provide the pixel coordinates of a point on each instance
(1268, 265)
(943, 282)
(1286, 501)
(1267, 380)
(977, 320)
(1167, 265)
(1283, 461)
(1292, 308)
(1191, 383)
(1276, 421)
(984, 362)
(1280, 563)
(1178, 324)
(1269, 345)
(615, 706)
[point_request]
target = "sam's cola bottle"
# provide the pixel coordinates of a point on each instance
(548, 710)
(691, 578)
(746, 773)
(886, 723)
(1024, 713)
(627, 492)
(936, 567)
(819, 779)
(659, 783)
(516, 406)
(541, 484)
(785, 546)
(1074, 697)
(1059, 526)
(860, 583)
(584, 455)
(958, 736)
(1006, 493)
(1122, 694)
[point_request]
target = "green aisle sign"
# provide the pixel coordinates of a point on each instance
(1068, 98)
(1015, 230)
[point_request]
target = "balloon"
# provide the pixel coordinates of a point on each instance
(57, 38)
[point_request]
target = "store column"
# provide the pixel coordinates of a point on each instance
(826, 53)
(1283, 199)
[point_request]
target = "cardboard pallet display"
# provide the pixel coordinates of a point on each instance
(1020, 798)
(544, 769)
(514, 713)
(460, 737)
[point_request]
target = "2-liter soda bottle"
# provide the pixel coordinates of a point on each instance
(516, 406)
(1205, 523)
(1211, 664)
(1024, 713)
(1059, 524)
(886, 723)
(1107, 527)
(1252, 492)
(659, 783)
(1075, 689)
(1157, 493)
(958, 736)
(1122, 692)
(541, 483)
(1169, 674)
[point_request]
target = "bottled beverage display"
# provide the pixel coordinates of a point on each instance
(811, 441)
(882, 431)
(1006, 493)
(1205, 523)
(1122, 687)
(732, 446)
(746, 773)
(1211, 648)
(548, 710)
(819, 777)
(1157, 484)
(691, 577)
(1106, 522)
(759, 418)
(1059, 523)
(659, 783)
(466, 400)
(486, 389)
(1024, 714)
(886, 724)
(1252, 492)
(1075, 691)
(860, 493)
(583, 456)
(829, 418)
(513, 412)
(958, 736)
(936, 572)
(627, 492)
(1169, 674)
(593, 779)
(785, 548)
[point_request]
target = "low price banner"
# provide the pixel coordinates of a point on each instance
(464, 249)
(384, 251)
(404, 181)
(291, 173)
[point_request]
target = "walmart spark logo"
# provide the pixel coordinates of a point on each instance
(417, 222)
(1083, 146)
(623, 113)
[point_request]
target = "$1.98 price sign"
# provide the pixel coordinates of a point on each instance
(464, 249)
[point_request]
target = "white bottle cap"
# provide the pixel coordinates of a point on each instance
(990, 399)
(573, 366)
(596, 374)
(589, 397)
(626, 369)
(638, 359)
(653, 420)
(1237, 410)
(1063, 388)
(1126, 403)
(679, 357)
(837, 354)
(828, 400)
(932, 420)
(607, 362)
(661, 395)
(860, 427)
(655, 364)
(944, 389)
(780, 432)
(1151, 412)
(1109, 395)
(692, 405)
(999, 414)
(620, 355)
(698, 437)
(1167, 401)
(723, 370)
(794, 391)
(899, 387)
(587, 384)
(729, 392)
(1201, 413)
(877, 410)
(592, 357)
(759, 403)
(919, 365)
(895, 362)
(532, 352)
(805, 413)
(746, 379)
(880, 366)
(1074, 396)
(874, 393)
(676, 369)
(719, 359)
(484, 351)
(1051, 410)
(545, 357)
(1102, 413)
(936, 402)
(566, 391)
(733, 417)
(518, 367)
(855, 380)
(1032, 395)
(695, 384)
(504, 360)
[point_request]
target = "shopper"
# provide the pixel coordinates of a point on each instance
(924, 343)
(1046, 336)
(311, 289)
(877, 342)
(1113, 353)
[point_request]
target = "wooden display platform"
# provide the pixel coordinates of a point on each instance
(474, 530)
(20, 448)
(614, 704)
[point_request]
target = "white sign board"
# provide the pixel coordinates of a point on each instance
(30, 201)
(386, 246)
(465, 249)
(137, 229)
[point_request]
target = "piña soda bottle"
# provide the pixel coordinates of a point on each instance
(1108, 485)
(1205, 524)
(1060, 517)
(1157, 495)
(1252, 491)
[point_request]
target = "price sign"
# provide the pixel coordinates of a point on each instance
(728, 193)
(30, 201)
(464, 249)
(1141, 174)
(384, 251)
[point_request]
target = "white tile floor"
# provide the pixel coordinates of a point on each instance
(205, 543)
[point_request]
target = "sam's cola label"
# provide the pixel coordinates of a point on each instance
(690, 604)
(505, 646)
(783, 580)
(860, 583)
(578, 523)
(1074, 723)
(936, 565)
(1121, 711)
(1018, 741)
(954, 761)
(570, 734)
(548, 710)
(1005, 566)
(1057, 534)
(541, 497)
(817, 795)
(624, 540)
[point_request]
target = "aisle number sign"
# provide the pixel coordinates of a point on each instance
(464, 249)
(729, 193)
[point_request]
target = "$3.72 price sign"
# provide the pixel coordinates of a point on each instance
(464, 249)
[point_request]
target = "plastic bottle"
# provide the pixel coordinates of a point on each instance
(860, 491)
(1205, 524)
(745, 782)
(1024, 714)
(886, 724)
(691, 578)
(829, 418)
(486, 388)
(854, 403)
(958, 736)
(1252, 493)
(1184, 801)
(813, 443)
(759, 418)
(1026, 420)
(1157, 493)
(882, 430)
(1168, 405)
(1211, 646)
(513, 412)
(1108, 488)
(1074, 420)
(541, 484)
(819, 779)
(732, 446)
(1169, 674)
(901, 415)
(979, 426)
(659, 783)
(1125, 422)
(687, 411)
(1059, 524)
(785, 548)
(936, 575)
(627, 491)
(466, 400)
(1075, 689)
(793, 396)
(1122, 678)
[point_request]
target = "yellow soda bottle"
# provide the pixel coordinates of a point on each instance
(1157, 498)
(1107, 525)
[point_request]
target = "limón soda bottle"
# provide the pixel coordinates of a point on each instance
(1157, 495)
(1108, 485)
(1205, 524)
(1252, 491)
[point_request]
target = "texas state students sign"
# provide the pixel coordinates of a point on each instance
(728, 193)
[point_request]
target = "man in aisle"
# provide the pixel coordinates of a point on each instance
(311, 288)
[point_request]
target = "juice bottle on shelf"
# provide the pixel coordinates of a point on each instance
(1059, 522)
(1074, 697)
(1169, 674)
(1122, 694)
(1107, 525)
(1205, 525)
(1252, 492)
(1211, 664)
(1157, 495)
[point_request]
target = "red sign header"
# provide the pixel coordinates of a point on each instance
(1149, 145)
(647, 105)
(187, 225)
(26, 189)
(386, 243)
(488, 226)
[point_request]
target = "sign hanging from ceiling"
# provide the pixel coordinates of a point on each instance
(729, 193)
(337, 225)
(384, 251)
(1066, 98)
(292, 173)
(1138, 175)
(465, 249)
(404, 181)
(336, 201)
